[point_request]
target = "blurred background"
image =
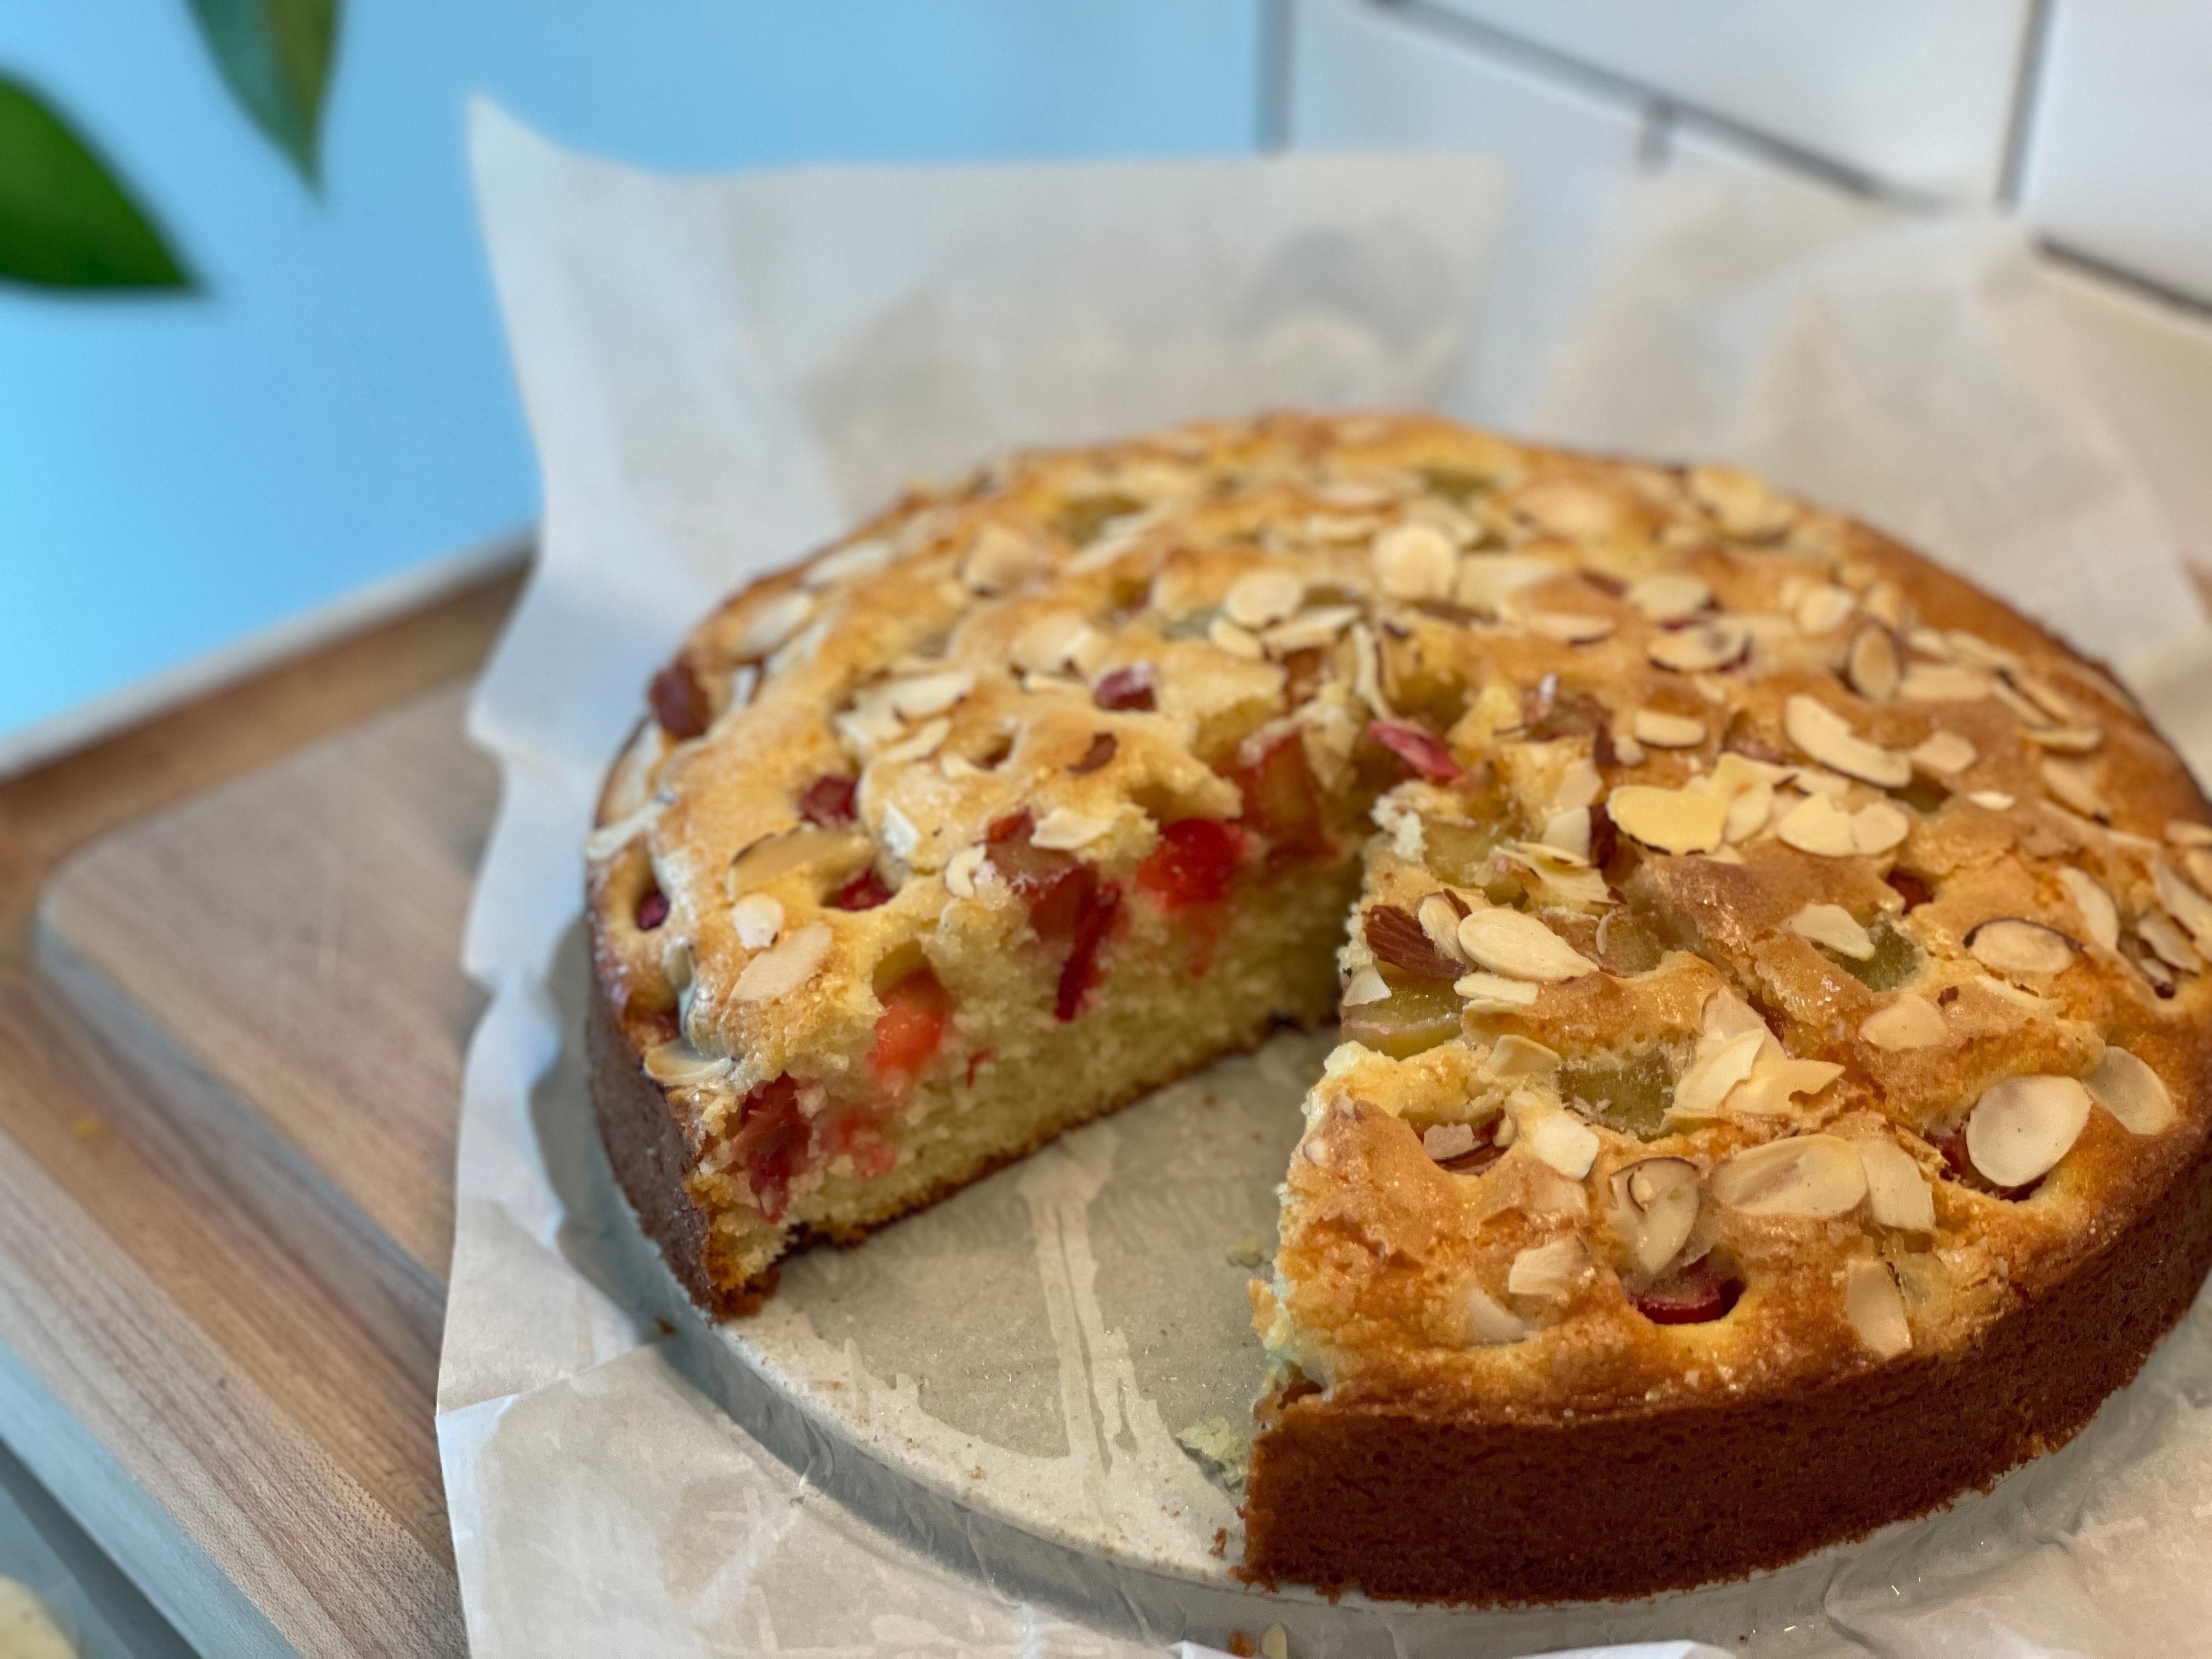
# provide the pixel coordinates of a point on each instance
(313, 421)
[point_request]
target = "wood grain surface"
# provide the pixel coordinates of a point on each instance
(231, 1022)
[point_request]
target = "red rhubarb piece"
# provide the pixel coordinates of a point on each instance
(917, 1013)
(1128, 687)
(828, 800)
(1703, 1291)
(864, 892)
(652, 909)
(1193, 863)
(1424, 753)
(771, 1143)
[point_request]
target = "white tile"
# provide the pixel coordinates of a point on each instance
(1915, 94)
(2119, 151)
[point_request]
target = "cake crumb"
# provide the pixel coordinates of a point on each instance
(1220, 1545)
(1240, 1644)
(1225, 1453)
(1248, 1251)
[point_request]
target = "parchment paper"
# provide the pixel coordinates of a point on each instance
(962, 1438)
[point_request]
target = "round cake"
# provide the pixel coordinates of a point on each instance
(1772, 1092)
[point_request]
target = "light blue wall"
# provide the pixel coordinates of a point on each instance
(177, 473)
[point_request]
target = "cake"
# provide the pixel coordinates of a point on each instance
(1772, 1096)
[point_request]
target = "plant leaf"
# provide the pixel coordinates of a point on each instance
(65, 220)
(275, 54)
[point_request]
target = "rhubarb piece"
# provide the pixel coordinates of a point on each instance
(1193, 863)
(917, 1013)
(828, 802)
(771, 1144)
(1425, 754)
(652, 909)
(1703, 1291)
(1128, 688)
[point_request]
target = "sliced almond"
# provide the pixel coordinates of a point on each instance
(1487, 581)
(1670, 820)
(2125, 1085)
(1702, 647)
(758, 918)
(2020, 1127)
(842, 564)
(900, 834)
(1664, 731)
(1570, 832)
(1990, 801)
(2065, 740)
(2189, 907)
(1943, 682)
(1309, 630)
(2185, 832)
(1415, 562)
(1568, 627)
(2196, 865)
(1670, 596)
(1827, 738)
(1225, 635)
(1561, 880)
(1063, 830)
(1871, 664)
(1489, 1324)
(1823, 607)
(1512, 1057)
(1550, 1272)
(1260, 597)
(1439, 919)
(1817, 825)
(2014, 944)
(1740, 502)
(1520, 947)
(1877, 828)
(1709, 1080)
(677, 1065)
(2051, 704)
(1812, 1176)
(1945, 753)
(1363, 988)
(1495, 991)
(924, 741)
(1874, 1307)
(999, 559)
(2073, 786)
(1655, 1201)
(1837, 928)
(1558, 1138)
(772, 857)
(2167, 942)
(2100, 917)
(1897, 1193)
(790, 964)
(963, 872)
(1775, 1078)
(774, 622)
(1444, 1142)
(1057, 642)
(1909, 1022)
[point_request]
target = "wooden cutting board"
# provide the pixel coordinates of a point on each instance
(231, 1029)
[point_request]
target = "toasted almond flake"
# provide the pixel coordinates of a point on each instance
(677, 1065)
(963, 871)
(783, 968)
(1520, 947)
(1580, 785)
(2188, 906)
(775, 621)
(1491, 1325)
(900, 834)
(1625, 748)
(2066, 740)
(1824, 607)
(1445, 1141)
(1713, 1075)
(1415, 562)
(1367, 670)
(1973, 648)
(1909, 1022)
(1495, 990)
(609, 839)
(1439, 919)
(1550, 1272)
(1365, 987)
(1670, 820)
(1309, 630)
(1701, 647)
(2167, 942)
(925, 741)
(1226, 635)
(1837, 928)
(1990, 801)
(998, 560)
(1871, 665)
(1513, 1056)
(1568, 626)
(2196, 865)
(758, 918)
(1558, 1138)
(2072, 786)
(1570, 832)
(1897, 1193)
(1775, 1077)
(926, 695)
(1875, 1308)
(1563, 881)
(1826, 736)
(1670, 596)
(862, 559)
(1740, 502)
(1926, 682)
(1816, 1176)
(1878, 827)
(2126, 1087)
(2020, 1127)
(2054, 704)
(1817, 825)
(1487, 582)
(2183, 832)
(1943, 752)
(1063, 830)
(2100, 917)
(2014, 944)
(1655, 1202)
(774, 856)
(1259, 597)
(1664, 731)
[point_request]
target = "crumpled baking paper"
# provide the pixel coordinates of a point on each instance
(963, 1437)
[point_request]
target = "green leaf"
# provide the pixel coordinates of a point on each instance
(65, 222)
(276, 56)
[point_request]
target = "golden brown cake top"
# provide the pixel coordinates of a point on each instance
(1757, 914)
